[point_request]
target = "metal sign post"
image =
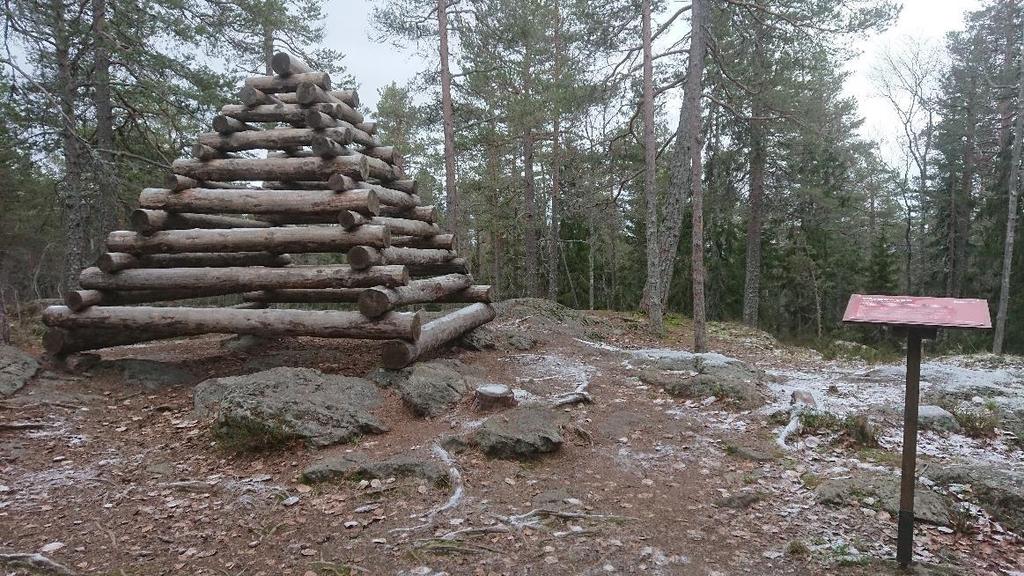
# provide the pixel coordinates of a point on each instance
(920, 317)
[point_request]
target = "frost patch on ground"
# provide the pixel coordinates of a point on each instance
(549, 374)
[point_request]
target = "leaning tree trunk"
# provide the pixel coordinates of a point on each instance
(691, 101)
(1014, 185)
(653, 292)
(448, 121)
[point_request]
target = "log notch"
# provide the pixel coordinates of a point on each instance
(151, 221)
(377, 301)
(362, 257)
(227, 125)
(261, 201)
(277, 240)
(286, 65)
(489, 397)
(277, 139)
(272, 168)
(299, 295)
(258, 322)
(435, 334)
(243, 279)
(111, 262)
(275, 84)
(82, 299)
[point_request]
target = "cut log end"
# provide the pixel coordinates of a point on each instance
(362, 257)
(286, 64)
(397, 354)
(493, 397)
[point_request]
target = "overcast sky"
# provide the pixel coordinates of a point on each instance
(375, 65)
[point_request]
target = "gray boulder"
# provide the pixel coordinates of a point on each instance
(277, 406)
(16, 368)
(936, 418)
(691, 375)
(428, 388)
(928, 506)
(1001, 492)
(521, 433)
(359, 466)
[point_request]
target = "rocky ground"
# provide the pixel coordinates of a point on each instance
(623, 455)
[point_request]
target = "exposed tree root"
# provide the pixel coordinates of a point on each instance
(578, 396)
(792, 428)
(458, 491)
(36, 562)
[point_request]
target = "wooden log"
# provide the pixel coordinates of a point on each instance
(111, 262)
(319, 120)
(244, 278)
(303, 239)
(311, 94)
(150, 221)
(488, 397)
(276, 139)
(403, 185)
(475, 293)
(261, 201)
(348, 96)
(82, 299)
(327, 148)
(362, 257)
(204, 152)
(350, 219)
(288, 113)
(385, 154)
(405, 227)
(228, 125)
(441, 241)
(286, 65)
(435, 334)
(275, 84)
(272, 168)
(375, 302)
(178, 182)
(252, 97)
(456, 266)
(60, 342)
(391, 197)
(340, 182)
(421, 213)
(259, 322)
(298, 295)
(368, 127)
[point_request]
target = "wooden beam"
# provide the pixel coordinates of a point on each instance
(111, 262)
(272, 168)
(151, 221)
(82, 299)
(362, 257)
(298, 295)
(260, 201)
(275, 84)
(244, 278)
(435, 335)
(278, 240)
(375, 302)
(276, 139)
(286, 64)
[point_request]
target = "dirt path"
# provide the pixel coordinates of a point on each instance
(117, 479)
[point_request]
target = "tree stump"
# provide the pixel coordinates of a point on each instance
(494, 396)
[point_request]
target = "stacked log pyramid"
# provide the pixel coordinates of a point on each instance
(325, 185)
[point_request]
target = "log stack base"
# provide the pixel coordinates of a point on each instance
(214, 241)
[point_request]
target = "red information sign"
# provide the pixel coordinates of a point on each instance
(918, 311)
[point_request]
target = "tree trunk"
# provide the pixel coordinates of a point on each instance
(691, 101)
(107, 181)
(244, 279)
(265, 322)
(758, 159)
(1013, 192)
(554, 235)
(75, 204)
(448, 121)
(653, 290)
(268, 44)
(81, 299)
(435, 334)
(530, 209)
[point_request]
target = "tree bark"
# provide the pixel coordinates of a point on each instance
(436, 334)
(1013, 193)
(286, 64)
(448, 122)
(653, 290)
(758, 160)
(691, 101)
(244, 279)
(348, 96)
(454, 266)
(82, 299)
(421, 213)
(274, 84)
(305, 296)
(362, 257)
(278, 240)
(259, 322)
(260, 201)
(439, 242)
(276, 139)
(375, 302)
(75, 204)
(107, 180)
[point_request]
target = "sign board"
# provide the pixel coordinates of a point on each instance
(918, 311)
